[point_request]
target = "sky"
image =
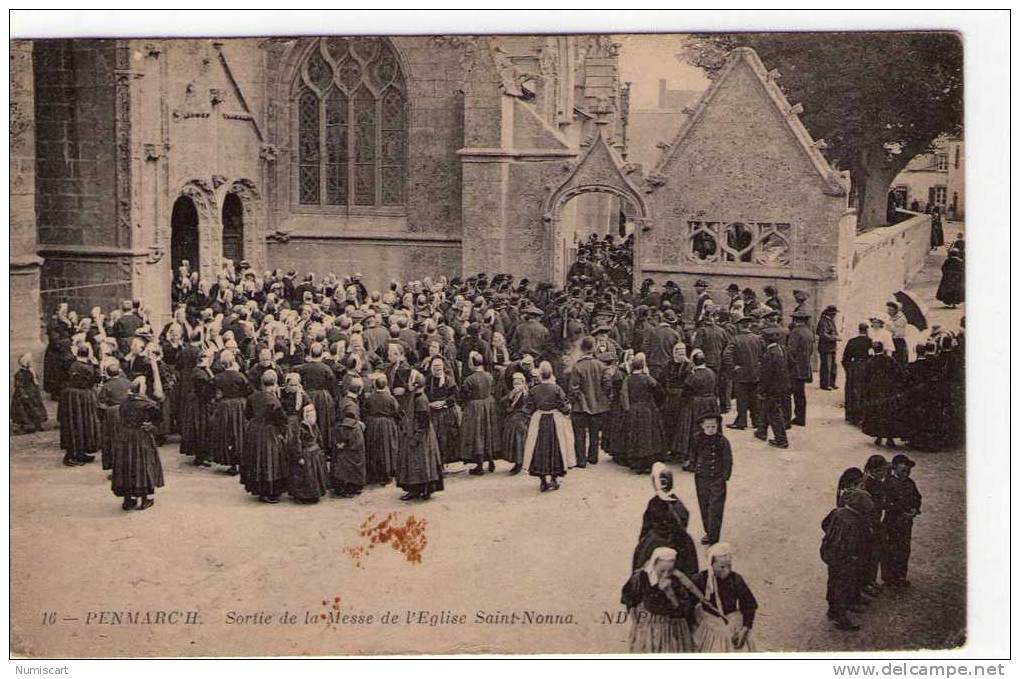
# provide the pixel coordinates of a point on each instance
(644, 59)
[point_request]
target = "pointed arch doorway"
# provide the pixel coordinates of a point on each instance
(233, 228)
(184, 234)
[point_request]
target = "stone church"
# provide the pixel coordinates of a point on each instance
(398, 158)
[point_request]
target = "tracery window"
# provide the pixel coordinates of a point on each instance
(351, 124)
(765, 243)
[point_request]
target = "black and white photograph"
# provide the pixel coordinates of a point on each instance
(500, 342)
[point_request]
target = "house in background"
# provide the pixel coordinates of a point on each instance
(650, 129)
(934, 179)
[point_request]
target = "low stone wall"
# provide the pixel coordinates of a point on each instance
(884, 260)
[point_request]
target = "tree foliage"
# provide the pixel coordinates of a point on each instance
(878, 99)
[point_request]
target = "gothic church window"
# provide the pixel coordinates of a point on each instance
(351, 125)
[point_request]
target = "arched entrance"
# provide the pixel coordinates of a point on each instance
(595, 197)
(184, 234)
(233, 228)
(588, 218)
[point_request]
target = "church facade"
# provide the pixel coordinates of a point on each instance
(400, 158)
(394, 157)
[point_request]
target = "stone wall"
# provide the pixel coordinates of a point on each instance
(884, 260)
(434, 72)
(24, 331)
(378, 261)
(742, 156)
(74, 116)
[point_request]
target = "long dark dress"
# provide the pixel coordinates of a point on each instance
(676, 407)
(137, 470)
(951, 287)
(27, 409)
(664, 524)
(319, 383)
(308, 479)
(883, 380)
(616, 442)
(382, 436)
(445, 420)
(659, 621)
(938, 236)
(479, 433)
(191, 415)
(112, 395)
(843, 550)
(78, 412)
(518, 409)
(700, 399)
(646, 443)
(228, 422)
(347, 461)
(855, 358)
(548, 456)
(57, 358)
(263, 465)
(420, 468)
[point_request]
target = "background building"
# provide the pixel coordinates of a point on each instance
(934, 179)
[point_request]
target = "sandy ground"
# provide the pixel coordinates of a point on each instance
(495, 545)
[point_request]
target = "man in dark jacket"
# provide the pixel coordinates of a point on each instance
(799, 346)
(530, 335)
(774, 387)
(126, 326)
(902, 505)
(740, 359)
(589, 403)
(827, 338)
(659, 342)
(712, 340)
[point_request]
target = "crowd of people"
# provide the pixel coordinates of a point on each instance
(316, 385)
(868, 532)
(603, 260)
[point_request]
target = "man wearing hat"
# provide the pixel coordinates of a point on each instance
(827, 339)
(701, 289)
(774, 387)
(606, 347)
(659, 342)
(672, 294)
(733, 290)
(589, 403)
(740, 360)
(800, 345)
(750, 300)
(902, 504)
(530, 335)
(712, 340)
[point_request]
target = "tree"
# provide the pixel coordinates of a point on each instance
(878, 99)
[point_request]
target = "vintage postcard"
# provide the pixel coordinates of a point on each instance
(502, 343)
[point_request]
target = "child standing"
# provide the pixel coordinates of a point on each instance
(902, 504)
(712, 459)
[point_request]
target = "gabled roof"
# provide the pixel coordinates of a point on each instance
(831, 180)
(599, 168)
